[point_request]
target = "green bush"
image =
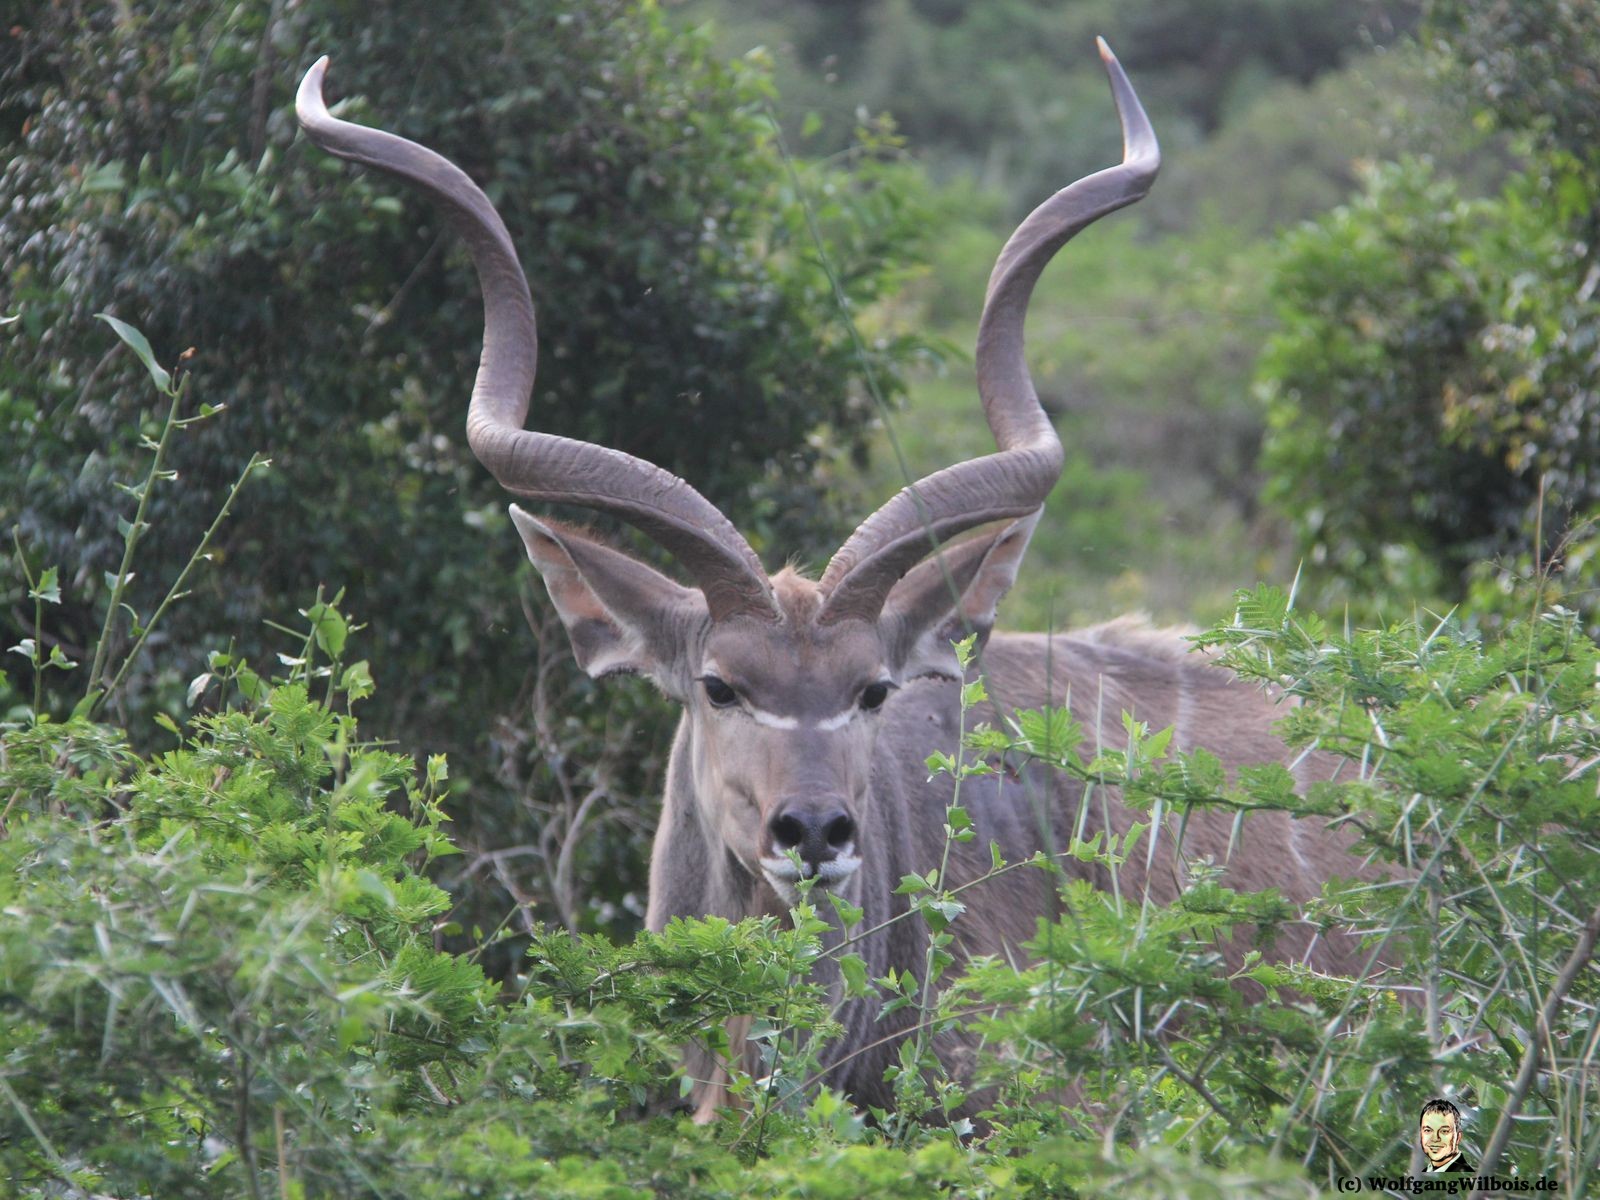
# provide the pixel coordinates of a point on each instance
(1529, 66)
(1430, 396)
(1469, 761)
(221, 972)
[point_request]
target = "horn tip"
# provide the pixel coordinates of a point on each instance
(308, 102)
(1139, 146)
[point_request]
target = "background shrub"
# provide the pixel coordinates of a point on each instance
(153, 157)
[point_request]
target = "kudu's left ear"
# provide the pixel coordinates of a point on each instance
(621, 616)
(951, 595)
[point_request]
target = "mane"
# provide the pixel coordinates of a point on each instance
(1135, 632)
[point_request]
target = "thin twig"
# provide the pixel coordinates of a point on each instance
(57, 1163)
(283, 1158)
(1582, 953)
(246, 1143)
(135, 531)
(176, 590)
(569, 846)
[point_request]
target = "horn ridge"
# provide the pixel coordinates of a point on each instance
(535, 465)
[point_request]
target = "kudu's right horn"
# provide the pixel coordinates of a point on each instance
(542, 466)
(1014, 482)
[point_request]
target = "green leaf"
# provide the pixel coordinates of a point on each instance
(940, 913)
(197, 687)
(1085, 851)
(370, 884)
(49, 589)
(107, 177)
(966, 650)
(329, 627)
(351, 1028)
(849, 914)
(1049, 733)
(854, 969)
(356, 681)
(1155, 746)
(137, 342)
(250, 685)
(438, 769)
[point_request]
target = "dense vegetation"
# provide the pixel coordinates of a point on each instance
(223, 975)
(1454, 340)
(252, 946)
(1470, 355)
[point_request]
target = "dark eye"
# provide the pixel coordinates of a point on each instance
(719, 693)
(873, 696)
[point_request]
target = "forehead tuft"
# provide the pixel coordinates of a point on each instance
(799, 598)
(796, 667)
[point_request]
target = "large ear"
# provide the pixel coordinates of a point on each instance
(621, 615)
(951, 595)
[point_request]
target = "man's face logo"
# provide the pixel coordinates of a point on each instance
(1440, 1137)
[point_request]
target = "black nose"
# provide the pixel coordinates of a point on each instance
(817, 831)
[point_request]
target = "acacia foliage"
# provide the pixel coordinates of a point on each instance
(221, 974)
(225, 971)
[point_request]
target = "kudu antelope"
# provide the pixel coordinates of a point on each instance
(809, 706)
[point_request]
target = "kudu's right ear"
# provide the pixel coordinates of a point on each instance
(621, 616)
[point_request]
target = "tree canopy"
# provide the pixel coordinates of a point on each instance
(1435, 387)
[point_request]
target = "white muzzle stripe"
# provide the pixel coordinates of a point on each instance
(783, 874)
